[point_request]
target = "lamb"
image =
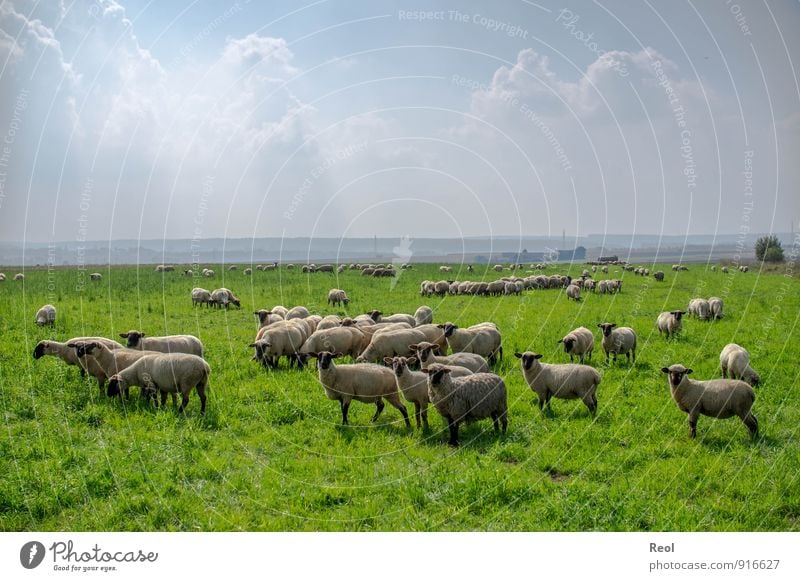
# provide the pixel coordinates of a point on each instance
(563, 381)
(578, 342)
(467, 399)
(483, 339)
(223, 297)
(66, 353)
(46, 316)
(201, 296)
(297, 313)
(346, 340)
(734, 360)
(364, 382)
(669, 322)
(426, 357)
(95, 276)
(390, 344)
(414, 384)
(699, 308)
(102, 362)
(573, 292)
(715, 398)
(337, 297)
(168, 344)
(621, 341)
(423, 316)
(715, 305)
(166, 373)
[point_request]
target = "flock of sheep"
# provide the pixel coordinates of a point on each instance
(407, 355)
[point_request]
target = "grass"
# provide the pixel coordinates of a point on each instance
(270, 453)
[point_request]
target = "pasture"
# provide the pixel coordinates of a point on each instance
(270, 455)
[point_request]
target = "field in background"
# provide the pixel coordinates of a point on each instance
(270, 453)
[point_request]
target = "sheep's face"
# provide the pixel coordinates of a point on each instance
(375, 315)
(133, 337)
(83, 349)
(676, 373)
(39, 351)
(116, 385)
(527, 359)
(607, 328)
(399, 364)
(678, 314)
(436, 373)
(569, 342)
(448, 329)
(325, 358)
(752, 378)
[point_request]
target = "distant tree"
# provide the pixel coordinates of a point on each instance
(769, 249)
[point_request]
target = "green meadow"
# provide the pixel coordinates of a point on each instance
(270, 454)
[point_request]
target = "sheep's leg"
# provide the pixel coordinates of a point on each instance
(724, 371)
(607, 357)
(453, 425)
(379, 405)
(395, 401)
(504, 421)
(425, 415)
(345, 406)
(752, 424)
(693, 416)
(184, 402)
(418, 414)
(495, 422)
(591, 402)
(163, 398)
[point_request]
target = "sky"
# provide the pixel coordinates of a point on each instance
(138, 119)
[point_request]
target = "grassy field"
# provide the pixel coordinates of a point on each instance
(270, 453)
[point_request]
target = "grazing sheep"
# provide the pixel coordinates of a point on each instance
(659, 275)
(396, 318)
(329, 322)
(282, 339)
(423, 316)
(602, 286)
(337, 297)
(95, 276)
(364, 382)
(724, 269)
(483, 339)
(297, 313)
(391, 343)
(66, 353)
(346, 340)
(562, 381)
(101, 361)
(573, 292)
(715, 398)
(279, 310)
(578, 342)
(425, 356)
(207, 272)
(266, 317)
(2, 277)
(414, 384)
(467, 399)
(201, 296)
(46, 316)
(19, 276)
(222, 298)
(247, 271)
(233, 267)
(621, 341)
(188, 272)
(715, 306)
(700, 309)
(734, 360)
(167, 344)
(669, 322)
(165, 373)
(713, 268)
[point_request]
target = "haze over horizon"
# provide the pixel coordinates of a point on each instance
(132, 119)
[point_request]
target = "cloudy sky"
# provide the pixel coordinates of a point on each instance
(144, 119)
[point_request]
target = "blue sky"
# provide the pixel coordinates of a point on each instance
(337, 118)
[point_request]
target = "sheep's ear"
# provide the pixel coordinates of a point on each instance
(411, 360)
(613, 325)
(688, 371)
(313, 354)
(600, 325)
(123, 335)
(414, 346)
(518, 355)
(537, 356)
(665, 369)
(388, 360)
(559, 341)
(252, 345)
(72, 345)
(426, 371)
(441, 326)
(445, 370)
(141, 335)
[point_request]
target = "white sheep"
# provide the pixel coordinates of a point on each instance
(578, 342)
(716, 398)
(346, 340)
(101, 361)
(201, 296)
(223, 297)
(619, 341)
(297, 313)
(19, 276)
(167, 344)
(329, 322)
(423, 316)
(95, 276)
(573, 292)
(425, 355)
(391, 344)
(247, 271)
(165, 373)
(266, 317)
(669, 322)
(715, 305)
(2, 277)
(66, 353)
(699, 308)
(467, 399)
(46, 316)
(562, 381)
(337, 297)
(282, 339)
(734, 360)
(364, 382)
(483, 339)
(280, 310)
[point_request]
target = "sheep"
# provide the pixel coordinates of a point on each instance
(201, 296)
(621, 341)
(441, 287)
(734, 360)
(414, 384)
(188, 272)
(445, 269)
(102, 362)
(378, 317)
(2, 277)
(573, 292)
(207, 272)
(483, 339)
(364, 382)
(562, 381)
(166, 373)
(426, 357)
(578, 342)
(279, 310)
(423, 316)
(325, 268)
(669, 322)
(223, 297)
(713, 268)
(167, 344)
(46, 316)
(346, 340)
(282, 339)
(390, 344)
(724, 269)
(659, 275)
(297, 313)
(434, 334)
(700, 309)
(498, 267)
(715, 398)
(467, 399)
(95, 276)
(496, 288)
(19, 276)
(337, 297)
(66, 353)
(715, 306)
(329, 322)
(266, 317)
(233, 267)
(247, 271)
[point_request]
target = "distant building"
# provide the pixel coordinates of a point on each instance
(612, 258)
